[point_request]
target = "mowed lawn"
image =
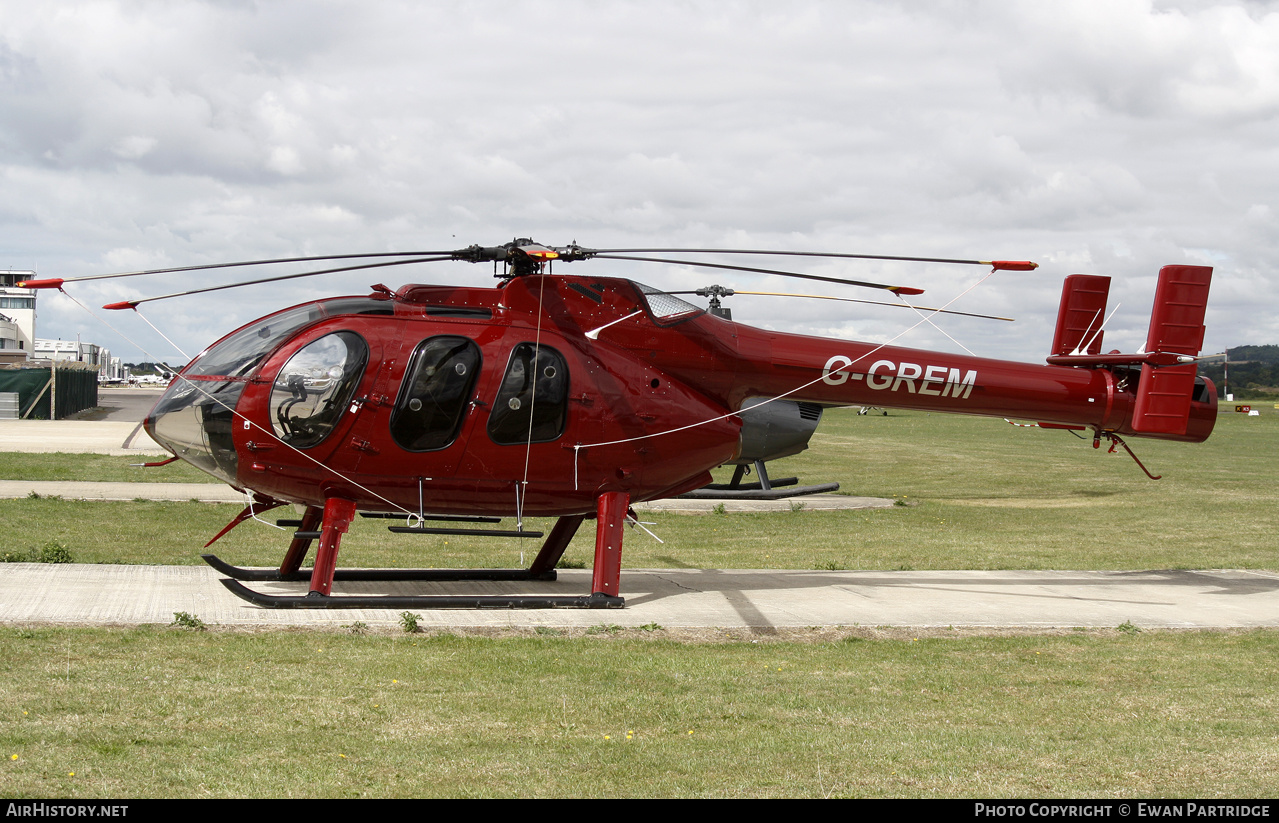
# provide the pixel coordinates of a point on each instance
(157, 712)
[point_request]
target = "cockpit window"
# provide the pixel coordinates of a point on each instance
(437, 388)
(240, 353)
(315, 386)
(532, 403)
(666, 307)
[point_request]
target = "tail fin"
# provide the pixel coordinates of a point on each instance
(1164, 393)
(1172, 402)
(1079, 319)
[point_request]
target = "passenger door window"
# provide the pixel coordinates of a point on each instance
(531, 404)
(436, 390)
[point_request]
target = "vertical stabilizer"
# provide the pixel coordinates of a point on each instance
(1082, 311)
(1176, 327)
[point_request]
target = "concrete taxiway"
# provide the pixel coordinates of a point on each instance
(32, 593)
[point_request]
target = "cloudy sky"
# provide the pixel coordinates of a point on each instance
(1108, 137)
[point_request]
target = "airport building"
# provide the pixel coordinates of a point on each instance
(17, 317)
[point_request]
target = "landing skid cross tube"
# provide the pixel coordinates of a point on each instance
(605, 580)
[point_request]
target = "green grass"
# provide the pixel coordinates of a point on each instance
(174, 713)
(982, 495)
(97, 468)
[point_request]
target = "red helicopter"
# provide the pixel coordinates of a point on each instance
(576, 396)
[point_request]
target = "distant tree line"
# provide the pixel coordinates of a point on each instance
(1254, 372)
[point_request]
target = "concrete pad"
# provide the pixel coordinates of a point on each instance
(77, 437)
(86, 490)
(32, 593)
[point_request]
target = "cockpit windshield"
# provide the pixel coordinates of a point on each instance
(241, 352)
(238, 354)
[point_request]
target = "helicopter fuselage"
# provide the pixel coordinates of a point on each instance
(542, 394)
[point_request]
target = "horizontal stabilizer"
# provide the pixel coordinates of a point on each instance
(1079, 319)
(1176, 328)
(1090, 361)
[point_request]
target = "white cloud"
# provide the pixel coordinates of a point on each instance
(1104, 136)
(134, 146)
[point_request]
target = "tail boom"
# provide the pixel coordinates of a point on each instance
(1156, 393)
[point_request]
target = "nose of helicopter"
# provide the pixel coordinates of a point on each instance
(193, 419)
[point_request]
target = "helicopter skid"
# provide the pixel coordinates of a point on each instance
(611, 513)
(746, 492)
(275, 575)
(315, 600)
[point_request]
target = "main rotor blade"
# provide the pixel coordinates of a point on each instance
(870, 302)
(1003, 265)
(56, 282)
(894, 289)
(131, 304)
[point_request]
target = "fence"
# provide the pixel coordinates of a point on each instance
(76, 389)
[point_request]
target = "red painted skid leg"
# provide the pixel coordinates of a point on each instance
(556, 543)
(298, 547)
(258, 506)
(606, 576)
(338, 514)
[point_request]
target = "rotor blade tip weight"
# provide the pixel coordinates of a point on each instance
(51, 283)
(1013, 265)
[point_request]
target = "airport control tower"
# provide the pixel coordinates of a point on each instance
(17, 317)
